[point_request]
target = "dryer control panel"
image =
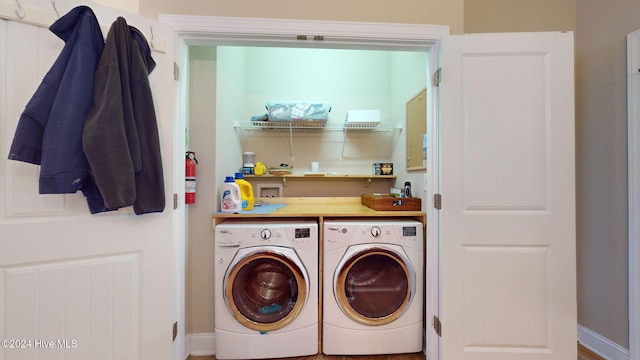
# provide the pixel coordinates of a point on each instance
(342, 233)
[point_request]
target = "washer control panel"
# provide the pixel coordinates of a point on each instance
(233, 235)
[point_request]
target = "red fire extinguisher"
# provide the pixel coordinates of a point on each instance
(190, 178)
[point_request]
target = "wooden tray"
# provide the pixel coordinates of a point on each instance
(387, 202)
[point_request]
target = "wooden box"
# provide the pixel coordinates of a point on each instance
(386, 202)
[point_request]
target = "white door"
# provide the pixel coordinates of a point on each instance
(507, 223)
(75, 285)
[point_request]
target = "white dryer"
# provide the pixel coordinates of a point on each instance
(266, 289)
(373, 283)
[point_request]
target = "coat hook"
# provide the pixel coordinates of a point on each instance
(53, 3)
(20, 11)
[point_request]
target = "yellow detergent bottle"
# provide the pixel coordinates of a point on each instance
(260, 169)
(246, 192)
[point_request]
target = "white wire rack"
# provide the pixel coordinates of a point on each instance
(314, 125)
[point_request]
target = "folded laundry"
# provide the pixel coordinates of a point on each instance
(296, 111)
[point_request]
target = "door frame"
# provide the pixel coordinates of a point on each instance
(633, 146)
(209, 30)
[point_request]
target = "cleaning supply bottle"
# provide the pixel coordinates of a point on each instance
(246, 192)
(230, 200)
(260, 169)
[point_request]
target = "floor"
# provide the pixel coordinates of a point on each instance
(417, 356)
(583, 354)
(586, 354)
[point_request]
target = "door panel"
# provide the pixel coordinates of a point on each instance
(95, 293)
(97, 286)
(505, 158)
(507, 224)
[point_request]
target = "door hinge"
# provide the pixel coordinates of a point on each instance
(175, 200)
(437, 326)
(175, 331)
(437, 77)
(176, 72)
(437, 201)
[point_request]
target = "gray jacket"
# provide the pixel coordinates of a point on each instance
(120, 136)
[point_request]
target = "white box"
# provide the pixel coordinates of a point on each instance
(370, 118)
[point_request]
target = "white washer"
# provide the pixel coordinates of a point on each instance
(266, 289)
(373, 283)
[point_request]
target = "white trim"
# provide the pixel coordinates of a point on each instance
(179, 213)
(205, 30)
(633, 158)
(197, 30)
(264, 26)
(601, 345)
(202, 344)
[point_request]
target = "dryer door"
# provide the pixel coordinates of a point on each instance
(374, 283)
(266, 287)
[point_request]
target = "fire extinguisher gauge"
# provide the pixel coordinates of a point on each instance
(192, 155)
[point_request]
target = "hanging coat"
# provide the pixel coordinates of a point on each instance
(121, 133)
(49, 131)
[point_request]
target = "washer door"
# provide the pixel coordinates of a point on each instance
(266, 287)
(374, 284)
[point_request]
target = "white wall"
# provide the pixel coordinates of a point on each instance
(229, 106)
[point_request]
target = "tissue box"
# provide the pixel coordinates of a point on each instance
(363, 118)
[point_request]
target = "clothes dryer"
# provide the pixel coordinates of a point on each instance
(373, 283)
(266, 289)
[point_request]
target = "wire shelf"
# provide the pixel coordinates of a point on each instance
(314, 125)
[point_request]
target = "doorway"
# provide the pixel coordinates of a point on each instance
(205, 32)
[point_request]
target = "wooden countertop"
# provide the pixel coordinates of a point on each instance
(320, 207)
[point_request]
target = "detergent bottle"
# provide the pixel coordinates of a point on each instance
(230, 200)
(260, 169)
(246, 192)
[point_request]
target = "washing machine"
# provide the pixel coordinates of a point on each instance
(373, 283)
(266, 289)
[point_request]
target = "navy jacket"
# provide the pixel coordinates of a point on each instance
(49, 131)
(120, 136)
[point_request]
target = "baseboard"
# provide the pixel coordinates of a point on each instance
(601, 345)
(202, 344)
